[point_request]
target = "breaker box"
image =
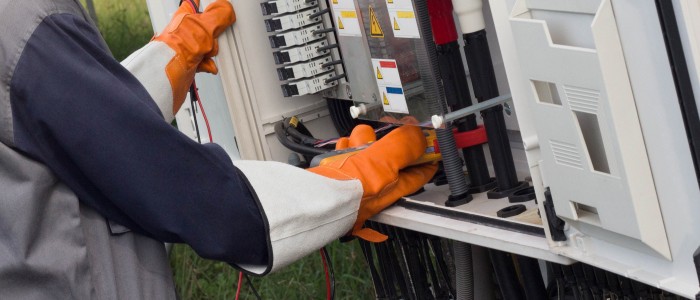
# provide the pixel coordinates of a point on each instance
(602, 119)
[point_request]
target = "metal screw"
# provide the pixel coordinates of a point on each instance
(507, 109)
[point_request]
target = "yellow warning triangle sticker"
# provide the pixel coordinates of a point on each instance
(386, 99)
(335, 1)
(379, 74)
(375, 29)
(396, 25)
(340, 24)
(390, 1)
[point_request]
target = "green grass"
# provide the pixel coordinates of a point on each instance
(124, 25)
(197, 278)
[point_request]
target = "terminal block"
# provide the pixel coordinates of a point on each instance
(310, 86)
(275, 8)
(293, 21)
(305, 69)
(307, 52)
(294, 55)
(297, 37)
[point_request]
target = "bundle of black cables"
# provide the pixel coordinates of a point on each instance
(296, 137)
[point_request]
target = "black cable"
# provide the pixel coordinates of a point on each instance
(379, 290)
(325, 30)
(193, 99)
(327, 258)
(342, 120)
(303, 130)
(506, 276)
(332, 63)
(329, 47)
(319, 13)
(252, 288)
(531, 278)
(194, 5)
(301, 137)
(335, 78)
(281, 134)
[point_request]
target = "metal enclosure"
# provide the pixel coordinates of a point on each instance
(383, 59)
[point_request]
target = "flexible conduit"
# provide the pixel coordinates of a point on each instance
(428, 62)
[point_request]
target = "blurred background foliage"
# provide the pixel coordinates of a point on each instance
(124, 24)
(126, 27)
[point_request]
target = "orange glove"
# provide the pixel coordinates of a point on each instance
(193, 38)
(382, 170)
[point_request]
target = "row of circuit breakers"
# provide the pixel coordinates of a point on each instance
(304, 46)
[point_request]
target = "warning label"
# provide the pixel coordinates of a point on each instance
(343, 4)
(387, 71)
(400, 4)
(405, 24)
(394, 100)
(375, 28)
(347, 22)
(403, 19)
(390, 87)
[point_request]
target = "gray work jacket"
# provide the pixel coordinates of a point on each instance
(51, 245)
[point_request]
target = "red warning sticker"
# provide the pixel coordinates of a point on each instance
(387, 64)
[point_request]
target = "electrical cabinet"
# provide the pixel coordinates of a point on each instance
(598, 124)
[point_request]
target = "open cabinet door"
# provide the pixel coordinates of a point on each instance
(594, 157)
(598, 109)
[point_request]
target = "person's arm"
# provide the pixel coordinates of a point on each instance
(166, 65)
(89, 119)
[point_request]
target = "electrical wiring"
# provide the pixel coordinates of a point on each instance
(194, 115)
(240, 283)
(201, 108)
(282, 136)
(325, 270)
(193, 4)
(194, 95)
(330, 275)
(252, 288)
(322, 143)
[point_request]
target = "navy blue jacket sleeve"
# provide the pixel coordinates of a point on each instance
(77, 110)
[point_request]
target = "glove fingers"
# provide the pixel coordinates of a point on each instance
(361, 135)
(220, 15)
(207, 65)
(214, 49)
(342, 143)
(397, 149)
(410, 180)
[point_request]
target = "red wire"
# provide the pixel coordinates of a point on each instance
(204, 114)
(328, 280)
(240, 281)
(192, 4)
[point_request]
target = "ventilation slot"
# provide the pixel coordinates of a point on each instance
(582, 99)
(566, 154)
(593, 140)
(585, 213)
(546, 92)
